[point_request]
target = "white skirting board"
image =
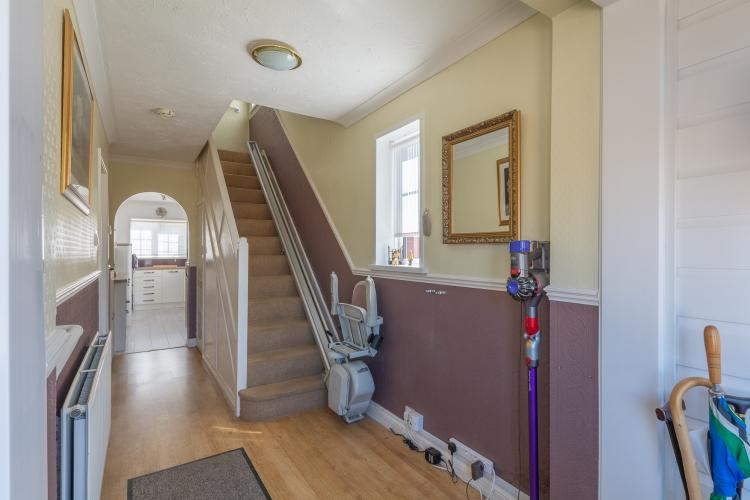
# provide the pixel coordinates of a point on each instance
(503, 490)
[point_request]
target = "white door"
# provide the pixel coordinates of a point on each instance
(104, 234)
(713, 208)
(173, 285)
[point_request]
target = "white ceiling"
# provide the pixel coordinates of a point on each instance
(151, 196)
(191, 56)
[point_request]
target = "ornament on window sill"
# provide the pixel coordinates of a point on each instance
(161, 212)
(396, 257)
(410, 256)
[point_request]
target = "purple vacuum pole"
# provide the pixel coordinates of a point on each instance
(533, 437)
(528, 287)
(532, 338)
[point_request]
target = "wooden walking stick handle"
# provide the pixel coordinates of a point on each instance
(679, 420)
(712, 341)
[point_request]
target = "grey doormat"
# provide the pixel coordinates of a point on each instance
(226, 476)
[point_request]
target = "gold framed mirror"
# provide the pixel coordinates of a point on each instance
(77, 122)
(481, 182)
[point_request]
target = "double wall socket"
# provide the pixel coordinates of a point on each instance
(465, 456)
(413, 419)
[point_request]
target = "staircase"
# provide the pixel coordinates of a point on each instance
(284, 368)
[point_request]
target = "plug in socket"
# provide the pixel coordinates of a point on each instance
(465, 457)
(413, 419)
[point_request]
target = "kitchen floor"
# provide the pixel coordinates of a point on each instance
(154, 329)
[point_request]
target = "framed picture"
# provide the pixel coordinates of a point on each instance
(77, 114)
(504, 201)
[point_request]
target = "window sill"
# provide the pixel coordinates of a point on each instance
(399, 269)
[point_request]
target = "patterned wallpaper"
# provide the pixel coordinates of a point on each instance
(69, 251)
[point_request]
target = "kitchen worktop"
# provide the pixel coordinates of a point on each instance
(157, 267)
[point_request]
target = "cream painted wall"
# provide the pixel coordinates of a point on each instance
(511, 72)
(125, 180)
(475, 191)
(69, 251)
(576, 119)
(232, 131)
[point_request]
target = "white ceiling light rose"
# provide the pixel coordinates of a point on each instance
(275, 55)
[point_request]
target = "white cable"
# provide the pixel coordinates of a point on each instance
(492, 485)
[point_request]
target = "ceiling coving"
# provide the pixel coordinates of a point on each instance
(192, 57)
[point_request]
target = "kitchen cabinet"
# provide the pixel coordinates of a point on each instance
(172, 285)
(158, 287)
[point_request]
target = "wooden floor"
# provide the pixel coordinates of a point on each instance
(166, 410)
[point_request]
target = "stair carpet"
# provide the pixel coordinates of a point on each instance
(284, 369)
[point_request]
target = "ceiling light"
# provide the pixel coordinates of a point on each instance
(164, 112)
(275, 55)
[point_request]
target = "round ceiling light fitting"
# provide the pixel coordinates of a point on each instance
(275, 55)
(164, 112)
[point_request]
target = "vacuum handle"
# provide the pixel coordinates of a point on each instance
(712, 341)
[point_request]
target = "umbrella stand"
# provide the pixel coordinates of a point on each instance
(674, 414)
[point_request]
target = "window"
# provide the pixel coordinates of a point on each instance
(158, 238)
(398, 198)
(141, 241)
(168, 244)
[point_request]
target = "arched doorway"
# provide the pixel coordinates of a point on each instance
(151, 247)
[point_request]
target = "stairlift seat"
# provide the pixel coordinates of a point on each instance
(360, 323)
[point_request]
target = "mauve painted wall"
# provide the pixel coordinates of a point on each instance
(80, 309)
(574, 400)
(455, 358)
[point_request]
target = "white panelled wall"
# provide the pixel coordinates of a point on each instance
(712, 160)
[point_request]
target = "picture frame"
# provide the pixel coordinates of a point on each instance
(504, 191)
(77, 122)
(505, 231)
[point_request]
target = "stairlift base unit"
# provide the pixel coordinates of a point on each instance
(350, 388)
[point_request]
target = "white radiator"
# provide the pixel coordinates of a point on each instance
(84, 423)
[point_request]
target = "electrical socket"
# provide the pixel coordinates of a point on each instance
(465, 456)
(413, 419)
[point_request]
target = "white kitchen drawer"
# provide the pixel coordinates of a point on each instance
(146, 272)
(148, 297)
(147, 287)
(156, 278)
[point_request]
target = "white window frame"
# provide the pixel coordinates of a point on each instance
(137, 246)
(402, 269)
(155, 238)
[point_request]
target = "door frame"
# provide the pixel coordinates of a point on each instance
(103, 231)
(23, 382)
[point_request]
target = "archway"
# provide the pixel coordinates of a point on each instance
(151, 246)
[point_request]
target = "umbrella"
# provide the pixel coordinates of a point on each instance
(727, 431)
(729, 449)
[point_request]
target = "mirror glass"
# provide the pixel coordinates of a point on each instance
(480, 182)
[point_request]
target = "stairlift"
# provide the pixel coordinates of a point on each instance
(350, 385)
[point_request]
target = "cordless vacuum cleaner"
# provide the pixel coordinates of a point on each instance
(529, 274)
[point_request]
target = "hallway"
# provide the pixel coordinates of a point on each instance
(166, 411)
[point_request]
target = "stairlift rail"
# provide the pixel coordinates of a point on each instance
(304, 276)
